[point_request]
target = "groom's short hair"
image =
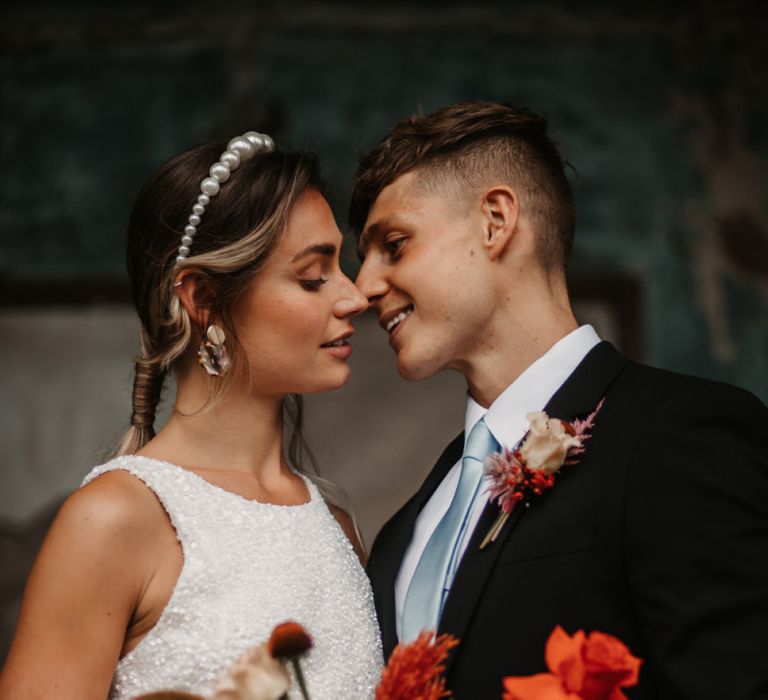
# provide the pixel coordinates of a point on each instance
(472, 145)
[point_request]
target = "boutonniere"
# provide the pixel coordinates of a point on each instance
(520, 474)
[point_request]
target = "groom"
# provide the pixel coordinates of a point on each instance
(658, 535)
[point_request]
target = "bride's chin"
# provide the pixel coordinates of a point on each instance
(332, 383)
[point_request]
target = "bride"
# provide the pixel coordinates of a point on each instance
(189, 545)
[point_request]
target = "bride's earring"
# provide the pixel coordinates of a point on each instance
(212, 353)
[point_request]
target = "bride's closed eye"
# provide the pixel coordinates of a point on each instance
(312, 285)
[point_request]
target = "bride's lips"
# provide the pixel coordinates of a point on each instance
(339, 347)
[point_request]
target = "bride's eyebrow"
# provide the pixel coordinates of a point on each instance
(327, 249)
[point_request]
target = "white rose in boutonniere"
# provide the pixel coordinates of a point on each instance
(520, 474)
(547, 443)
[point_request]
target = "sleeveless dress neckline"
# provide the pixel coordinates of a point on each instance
(216, 489)
(311, 487)
(248, 566)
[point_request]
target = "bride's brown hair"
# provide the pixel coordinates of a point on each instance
(239, 230)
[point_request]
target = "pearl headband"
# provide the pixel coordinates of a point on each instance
(239, 149)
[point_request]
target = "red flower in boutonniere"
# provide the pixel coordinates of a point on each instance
(518, 475)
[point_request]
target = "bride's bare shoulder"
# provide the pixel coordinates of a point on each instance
(115, 500)
(113, 517)
(82, 593)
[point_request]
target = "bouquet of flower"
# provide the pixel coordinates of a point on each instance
(581, 667)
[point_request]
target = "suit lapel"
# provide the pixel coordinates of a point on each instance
(385, 574)
(584, 389)
(578, 396)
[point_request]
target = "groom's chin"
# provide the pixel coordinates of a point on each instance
(413, 371)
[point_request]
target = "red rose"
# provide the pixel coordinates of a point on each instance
(608, 666)
(581, 668)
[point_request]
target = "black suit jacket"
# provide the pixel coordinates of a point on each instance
(658, 536)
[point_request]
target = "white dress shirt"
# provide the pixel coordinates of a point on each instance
(506, 419)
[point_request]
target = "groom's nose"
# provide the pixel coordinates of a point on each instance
(371, 280)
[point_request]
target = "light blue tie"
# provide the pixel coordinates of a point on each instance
(434, 573)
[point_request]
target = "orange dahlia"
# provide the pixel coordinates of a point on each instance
(414, 670)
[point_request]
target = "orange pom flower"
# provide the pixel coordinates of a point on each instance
(414, 670)
(581, 668)
(288, 640)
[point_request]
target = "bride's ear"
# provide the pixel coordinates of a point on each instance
(192, 288)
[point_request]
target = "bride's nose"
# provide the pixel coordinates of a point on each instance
(350, 301)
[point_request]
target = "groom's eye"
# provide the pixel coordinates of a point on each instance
(393, 246)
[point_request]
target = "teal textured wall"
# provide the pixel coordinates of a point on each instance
(662, 112)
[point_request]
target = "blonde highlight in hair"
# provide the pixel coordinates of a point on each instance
(239, 230)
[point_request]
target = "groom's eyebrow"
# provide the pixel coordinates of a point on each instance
(376, 229)
(327, 249)
(366, 236)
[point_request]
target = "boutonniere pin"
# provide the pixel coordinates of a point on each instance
(518, 475)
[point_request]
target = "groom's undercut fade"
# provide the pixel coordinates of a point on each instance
(470, 146)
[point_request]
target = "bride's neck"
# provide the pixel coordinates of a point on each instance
(235, 432)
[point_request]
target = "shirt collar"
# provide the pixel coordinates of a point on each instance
(532, 390)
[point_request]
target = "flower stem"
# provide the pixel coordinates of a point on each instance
(493, 533)
(300, 677)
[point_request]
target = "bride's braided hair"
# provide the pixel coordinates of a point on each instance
(240, 228)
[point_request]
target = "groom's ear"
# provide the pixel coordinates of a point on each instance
(501, 213)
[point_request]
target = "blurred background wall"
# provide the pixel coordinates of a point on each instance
(662, 110)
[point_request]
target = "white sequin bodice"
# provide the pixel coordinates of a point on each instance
(247, 567)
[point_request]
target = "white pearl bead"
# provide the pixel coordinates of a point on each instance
(239, 149)
(242, 147)
(230, 159)
(219, 172)
(210, 186)
(255, 138)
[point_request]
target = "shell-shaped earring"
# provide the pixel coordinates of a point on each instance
(212, 353)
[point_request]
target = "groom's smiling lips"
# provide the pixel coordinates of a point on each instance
(391, 320)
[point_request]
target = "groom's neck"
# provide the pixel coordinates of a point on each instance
(519, 335)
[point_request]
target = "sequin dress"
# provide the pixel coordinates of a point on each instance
(247, 567)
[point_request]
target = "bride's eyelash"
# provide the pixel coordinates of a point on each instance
(313, 285)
